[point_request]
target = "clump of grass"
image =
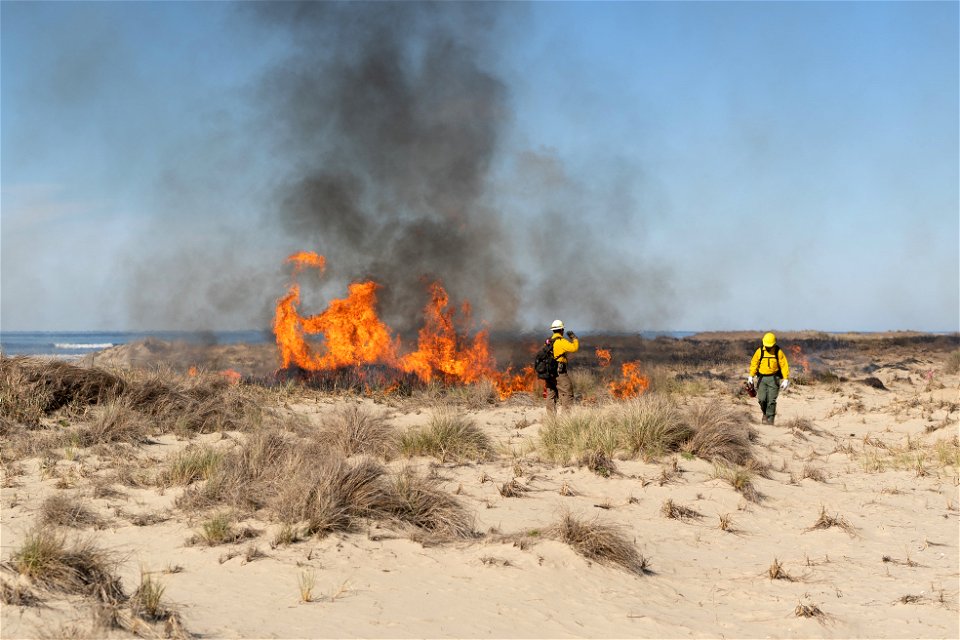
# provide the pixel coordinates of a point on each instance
(286, 535)
(952, 365)
(809, 611)
(332, 495)
(588, 385)
(146, 600)
(650, 426)
(196, 462)
(80, 569)
(740, 478)
(64, 511)
(720, 434)
(31, 388)
(568, 437)
(18, 595)
(306, 581)
(114, 421)
(220, 529)
(776, 572)
(449, 436)
(825, 521)
(599, 542)
(512, 489)
(726, 522)
(670, 509)
(814, 473)
(354, 430)
(417, 500)
(476, 395)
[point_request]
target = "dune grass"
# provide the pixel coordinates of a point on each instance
(601, 542)
(60, 510)
(81, 568)
(354, 430)
(720, 433)
(449, 436)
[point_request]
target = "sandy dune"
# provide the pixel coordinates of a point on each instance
(882, 462)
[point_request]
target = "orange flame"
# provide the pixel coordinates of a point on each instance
(631, 383)
(603, 357)
(303, 259)
(800, 358)
(231, 376)
(353, 334)
(192, 371)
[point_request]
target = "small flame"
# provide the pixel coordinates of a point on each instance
(800, 358)
(230, 375)
(303, 259)
(631, 383)
(603, 357)
(192, 371)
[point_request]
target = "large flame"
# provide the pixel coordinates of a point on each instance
(631, 383)
(353, 334)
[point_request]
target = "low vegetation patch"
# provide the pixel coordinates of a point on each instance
(825, 521)
(740, 478)
(66, 511)
(449, 436)
(670, 509)
(600, 542)
(354, 430)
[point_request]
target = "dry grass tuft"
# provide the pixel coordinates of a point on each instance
(776, 572)
(720, 433)
(354, 430)
(63, 511)
(512, 489)
(726, 523)
(81, 569)
(814, 473)
(417, 500)
(599, 542)
(196, 462)
(809, 611)
(18, 595)
(826, 521)
(669, 509)
(650, 426)
(449, 436)
(740, 478)
(952, 365)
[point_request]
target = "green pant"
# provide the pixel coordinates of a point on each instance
(768, 388)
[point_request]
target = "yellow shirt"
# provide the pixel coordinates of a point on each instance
(562, 346)
(766, 363)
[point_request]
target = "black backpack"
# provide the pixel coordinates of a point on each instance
(545, 364)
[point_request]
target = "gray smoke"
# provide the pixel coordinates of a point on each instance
(392, 123)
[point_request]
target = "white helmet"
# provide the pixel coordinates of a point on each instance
(557, 325)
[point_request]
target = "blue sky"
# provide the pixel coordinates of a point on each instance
(702, 165)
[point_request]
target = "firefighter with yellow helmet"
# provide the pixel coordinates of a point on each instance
(770, 374)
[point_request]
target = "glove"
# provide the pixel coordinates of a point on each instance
(751, 380)
(571, 335)
(784, 384)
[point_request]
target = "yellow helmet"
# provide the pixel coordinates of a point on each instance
(769, 340)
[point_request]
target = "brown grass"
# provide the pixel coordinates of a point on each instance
(600, 542)
(669, 509)
(825, 521)
(18, 595)
(65, 511)
(776, 572)
(449, 436)
(419, 501)
(720, 433)
(81, 569)
(354, 430)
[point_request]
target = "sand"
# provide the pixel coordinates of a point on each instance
(892, 572)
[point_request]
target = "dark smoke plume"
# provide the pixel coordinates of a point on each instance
(392, 123)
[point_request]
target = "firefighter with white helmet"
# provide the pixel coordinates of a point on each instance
(770, 374)
(559, 388)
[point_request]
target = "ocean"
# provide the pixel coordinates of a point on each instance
(74, 344)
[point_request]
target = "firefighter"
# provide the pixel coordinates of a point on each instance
(560, 389)
(770, 373)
